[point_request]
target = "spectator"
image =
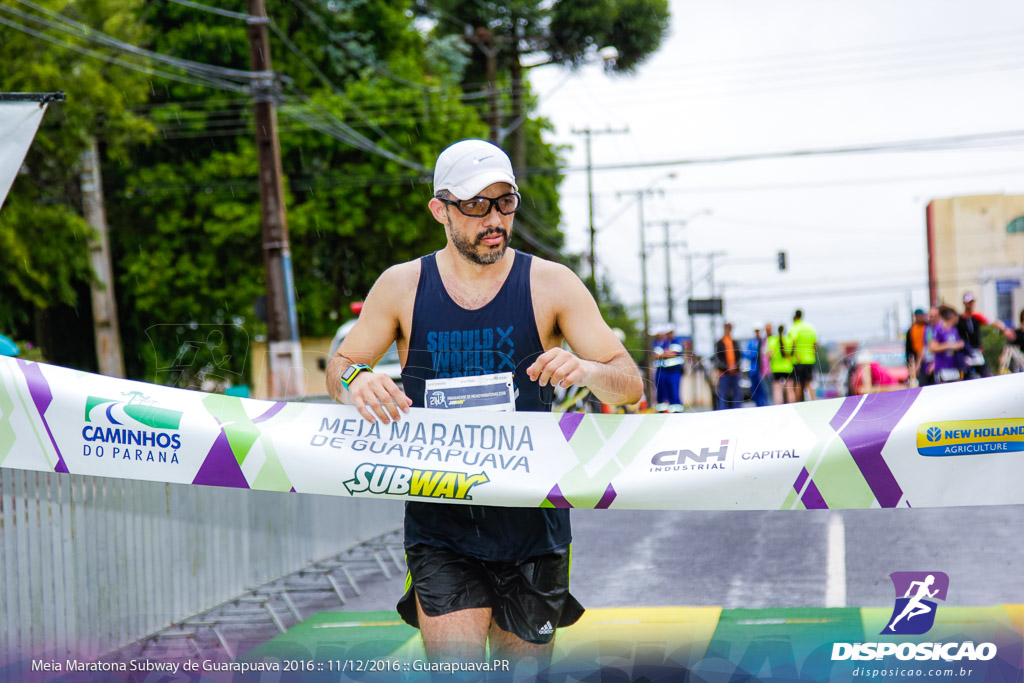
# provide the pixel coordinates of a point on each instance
(805, 352)
(946, 344)
(1016, 338)
(1018, 334)
(727, 360)
(780, 360)
(927, 374)
(969, 329)
(668, 363)
(758, 388)
(915, 345)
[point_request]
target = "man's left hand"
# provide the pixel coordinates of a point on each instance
(559, 367)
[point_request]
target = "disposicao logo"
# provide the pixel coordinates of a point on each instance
(914, 614)
(971, 437)
(916, 593)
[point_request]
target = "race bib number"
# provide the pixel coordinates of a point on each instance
(482, 392)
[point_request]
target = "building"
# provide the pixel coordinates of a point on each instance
(976, 244)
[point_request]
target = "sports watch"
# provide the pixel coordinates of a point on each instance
(351, 372)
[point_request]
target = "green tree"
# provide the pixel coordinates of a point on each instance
(568, 32)
(43, 238)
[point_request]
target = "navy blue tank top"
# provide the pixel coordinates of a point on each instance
(449, 341)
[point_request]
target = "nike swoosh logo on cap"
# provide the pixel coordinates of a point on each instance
(477, 160)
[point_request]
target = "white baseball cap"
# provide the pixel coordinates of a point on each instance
(468, 166)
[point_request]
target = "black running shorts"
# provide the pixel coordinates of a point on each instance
(529, 597)
(803, 373)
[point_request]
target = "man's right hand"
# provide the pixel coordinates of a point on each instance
(377, 396)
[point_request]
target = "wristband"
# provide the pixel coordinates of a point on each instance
(351, 372)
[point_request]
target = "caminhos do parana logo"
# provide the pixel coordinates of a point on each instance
(400, 481)
(971, 437)
(130, 429)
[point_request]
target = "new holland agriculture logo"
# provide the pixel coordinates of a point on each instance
(914, 614)
(402, 481)
(130, 429)
(970, 437)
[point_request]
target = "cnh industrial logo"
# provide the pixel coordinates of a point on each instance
(913, 614)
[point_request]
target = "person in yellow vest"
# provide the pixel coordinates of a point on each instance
(780, 362)
(805, 352)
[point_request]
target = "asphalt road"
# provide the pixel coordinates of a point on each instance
(640, 558)
(782, 558)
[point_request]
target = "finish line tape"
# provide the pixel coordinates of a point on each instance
(950, 445)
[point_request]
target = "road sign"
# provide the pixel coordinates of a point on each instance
(704, 306)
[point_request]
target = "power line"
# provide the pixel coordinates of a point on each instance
(340, 130)
(213, 10)
(923, 144)
(376, 67)
(72, 27)
(337, 91)
(151, 71)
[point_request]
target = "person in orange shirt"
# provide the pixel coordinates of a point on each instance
(915, 346)
(727, 360)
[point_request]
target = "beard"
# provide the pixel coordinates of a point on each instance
(468, 247)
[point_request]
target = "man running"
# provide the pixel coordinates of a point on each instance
(482, 573)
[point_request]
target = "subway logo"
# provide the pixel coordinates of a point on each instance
(404, 481)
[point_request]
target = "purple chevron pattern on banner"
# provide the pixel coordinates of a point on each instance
(812, 498)
(556, 498)
(42, 397)
(606, 499)
(271, 412)
(220, 468)
(866, 434)
(569, 423)
(798, 485)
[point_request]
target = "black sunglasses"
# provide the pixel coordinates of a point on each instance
(478, 207)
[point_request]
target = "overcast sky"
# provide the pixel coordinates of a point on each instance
(737, 78)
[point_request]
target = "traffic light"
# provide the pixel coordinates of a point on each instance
(782, 260)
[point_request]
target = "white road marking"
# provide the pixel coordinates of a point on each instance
(835, 586)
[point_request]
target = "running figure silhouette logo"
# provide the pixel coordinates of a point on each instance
(914, 612)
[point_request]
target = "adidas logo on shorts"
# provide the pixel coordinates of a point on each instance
(546, 629)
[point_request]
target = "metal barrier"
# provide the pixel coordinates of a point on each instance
(91, 564)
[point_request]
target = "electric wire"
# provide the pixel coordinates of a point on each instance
(387, 73)
(151, 71)
(337, 91)
(213, 10)
(78, 29)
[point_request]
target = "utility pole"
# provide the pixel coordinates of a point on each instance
(710, 256)
(104, 306)
(693, 318)
(668, 244)
(711, 279)
(519, 134)
(283, 347)
(640, 194)
(588, 133)
(487, 42)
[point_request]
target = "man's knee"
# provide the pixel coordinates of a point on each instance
(455, 636)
